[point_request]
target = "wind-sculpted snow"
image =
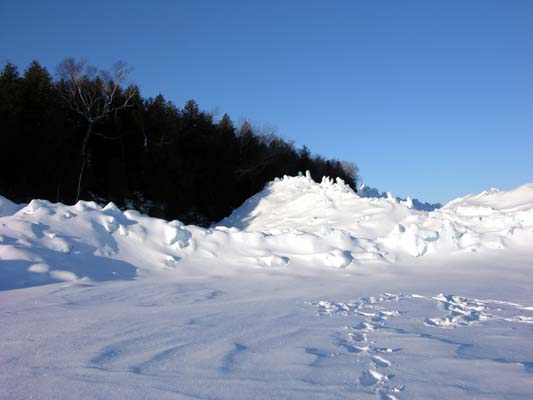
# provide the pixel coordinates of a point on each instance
(294, 221)
(115, 304)
(490, 220)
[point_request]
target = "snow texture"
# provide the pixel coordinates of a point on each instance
(367, 191)
(305, 291)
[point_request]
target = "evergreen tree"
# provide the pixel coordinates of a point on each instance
(170, 162)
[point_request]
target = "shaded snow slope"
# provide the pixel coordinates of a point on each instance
(7, 207)
(294, 222)
(366, 191)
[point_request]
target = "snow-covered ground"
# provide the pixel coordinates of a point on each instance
(306, 291)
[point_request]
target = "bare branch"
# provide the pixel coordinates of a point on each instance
(92, 94)
(104, 136)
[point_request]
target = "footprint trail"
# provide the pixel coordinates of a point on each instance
(362, 340)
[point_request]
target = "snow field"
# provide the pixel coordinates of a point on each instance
(116, 304)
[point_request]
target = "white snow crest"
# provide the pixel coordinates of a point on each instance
(293, 222)
(490, 220)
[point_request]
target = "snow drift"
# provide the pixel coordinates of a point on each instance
(307, 291)
(367, 191)
(492, 219)
(292, 222)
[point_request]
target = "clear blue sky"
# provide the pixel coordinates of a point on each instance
(430, 98)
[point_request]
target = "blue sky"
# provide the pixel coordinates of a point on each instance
(430, 98)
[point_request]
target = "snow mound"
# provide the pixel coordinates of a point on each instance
(303, 204)
(492, 219)
(367, 191)
(294, 224)
(7, 207)
(519, 199)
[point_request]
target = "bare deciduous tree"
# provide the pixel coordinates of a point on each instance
(94, 96)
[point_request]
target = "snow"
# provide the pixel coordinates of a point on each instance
(7, 207)
(305, 291)
(385, 227)
(367, 191)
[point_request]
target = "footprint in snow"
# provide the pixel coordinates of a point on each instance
(380, 361)
(459, 311)
(370, 377)
(463, 311)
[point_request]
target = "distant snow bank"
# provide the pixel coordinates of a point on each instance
(293, 222)
(367, 191)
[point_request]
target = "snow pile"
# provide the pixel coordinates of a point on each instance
(367, 191)
(294, 222)
(492, 219)
(257, 308)
(7, 207)
(302, 204)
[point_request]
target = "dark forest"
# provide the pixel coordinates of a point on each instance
(81, 133)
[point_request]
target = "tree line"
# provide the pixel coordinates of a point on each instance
(83, 134)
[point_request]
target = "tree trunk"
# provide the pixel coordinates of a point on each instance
(83, 157)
